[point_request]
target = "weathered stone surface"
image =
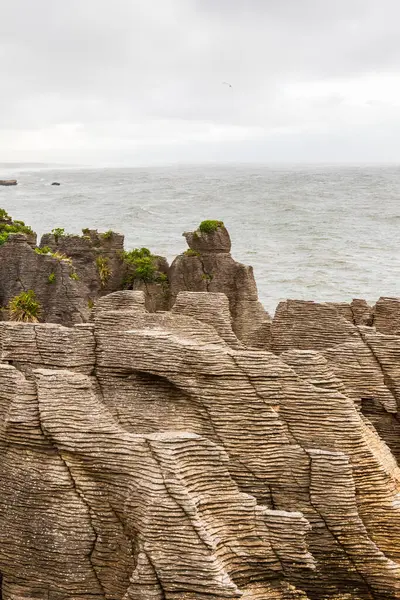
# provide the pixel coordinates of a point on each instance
(211, 308)
(358, 312)
(363, 313)
(215, 242)
(63, 300)
(124, 300)
(31, 345)
(151, 456)
(309, 326)
(85, 251)
(386, 316)
(110, 513)
(169, 456)
(208, 381)
(211, 268)
(365, 361)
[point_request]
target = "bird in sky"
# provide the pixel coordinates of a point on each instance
(226, 83)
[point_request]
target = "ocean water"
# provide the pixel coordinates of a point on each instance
(310, 232)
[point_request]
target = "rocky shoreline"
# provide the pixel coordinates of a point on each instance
(8, 182)
(163, 438)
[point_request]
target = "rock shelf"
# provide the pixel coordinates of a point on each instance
(170, 441)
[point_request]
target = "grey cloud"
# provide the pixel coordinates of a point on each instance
(101, 64)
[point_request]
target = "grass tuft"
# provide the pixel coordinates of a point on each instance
(103, 269)
(210, 226)
(24, 308)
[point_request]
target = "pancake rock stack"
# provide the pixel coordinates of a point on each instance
(209, 267)
(197, 453)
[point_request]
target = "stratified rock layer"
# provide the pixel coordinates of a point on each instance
(209, 267)
(62, 298)
(154, 457)
(366, 361)
(174, 444)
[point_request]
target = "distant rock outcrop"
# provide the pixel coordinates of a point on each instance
(209, 267)
(8, 182)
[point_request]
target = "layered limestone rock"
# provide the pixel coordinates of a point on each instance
(211, 308)
(62, 297)
(387, 316)
(282, 450)
(70, 272)
(209, 267)
(365, 361)
(89, 508)
(152, 456)
(67, 273)
(97, 258)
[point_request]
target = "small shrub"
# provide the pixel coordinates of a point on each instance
(58, 232)
(44, 250)
(86, 231)
(90, 303)
(210, 226)
(74, 276)
(24, 308)
(3, 238)
(162, 278)
(107, 234)
(62, 257)
(145, 269)
(207, 276)
(190, 252)
(103, 269)
(51, 278)
(132, 256)
(8, 227)
(141, 265)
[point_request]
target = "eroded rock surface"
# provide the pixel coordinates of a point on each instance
(86, 251)
(173, 444)
(365, 361)
(209, 267)
(154, 456)
(63, 299)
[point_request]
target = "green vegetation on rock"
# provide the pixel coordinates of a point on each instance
(51, 278)
(103, 269)
(210, 226)
(190, 252)
(7, 228)
(58, 232)
(107, 234)
(142, 266)
(24, 308)
(44, 250)
(47, 251)
(74, 276)
(62, 257)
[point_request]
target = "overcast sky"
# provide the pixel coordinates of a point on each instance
(140, 81)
